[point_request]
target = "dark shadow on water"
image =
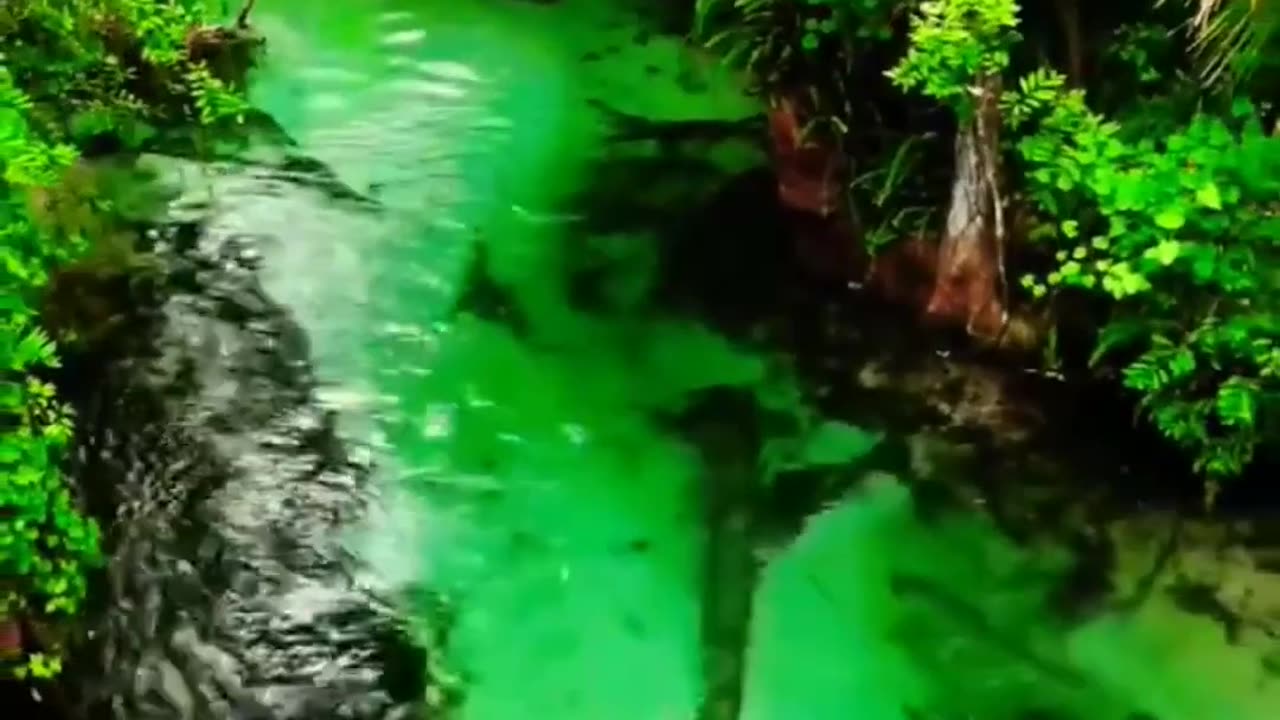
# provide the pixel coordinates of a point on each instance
(1052, 463)
(736, 261)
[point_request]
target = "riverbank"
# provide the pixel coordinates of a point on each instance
(1055, 463)
(75, 80)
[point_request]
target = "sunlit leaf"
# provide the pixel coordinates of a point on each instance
(1171, 218)
(1208, 196)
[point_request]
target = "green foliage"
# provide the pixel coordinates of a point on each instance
(44, 542)
(1164, 207)
(111, 66)
(1138, 50)
(765, 35)
(1182, 235)
(1178, 234)
(39, 666)
(804, 48)
(955, 43)
(825, 58)
(1232, 38)
(71, 70)
(214, 100)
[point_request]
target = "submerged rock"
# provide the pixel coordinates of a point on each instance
(223, 491)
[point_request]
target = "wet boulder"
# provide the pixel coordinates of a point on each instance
(224, 493)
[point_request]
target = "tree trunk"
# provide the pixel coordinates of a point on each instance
(970, 286)
(1069, 18)
(809, 172)
(10, 638)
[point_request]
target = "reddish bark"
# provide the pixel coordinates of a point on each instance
(10, 638)
(958, 280)
(1069, 20)
(970, 283)
(810, 174)
(809, 171)
(905, 272)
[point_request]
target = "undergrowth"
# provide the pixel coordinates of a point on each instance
(1134, 145)
(72, 72)
(1177, 230)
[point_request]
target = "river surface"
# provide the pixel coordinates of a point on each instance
(524, 481)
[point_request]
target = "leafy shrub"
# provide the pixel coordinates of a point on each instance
(802, 48)
(1182, 235)
(955, 43)
(825, 58)
(44, 542)
(71, 70)
(111, 65)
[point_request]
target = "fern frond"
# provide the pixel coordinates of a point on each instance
(1231, 37)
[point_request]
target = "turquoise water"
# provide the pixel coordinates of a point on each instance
(520, 468)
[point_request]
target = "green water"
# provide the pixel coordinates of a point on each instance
(521, 472)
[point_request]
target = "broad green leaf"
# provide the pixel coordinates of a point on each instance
(1237, 402)
(1208, 196)
(1171, 218)
(1164, 253)
(1119, 335)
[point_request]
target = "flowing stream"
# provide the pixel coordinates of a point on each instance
(530, 502)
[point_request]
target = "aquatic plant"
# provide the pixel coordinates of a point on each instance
(71, 72)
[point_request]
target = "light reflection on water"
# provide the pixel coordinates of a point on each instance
(510, 474)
